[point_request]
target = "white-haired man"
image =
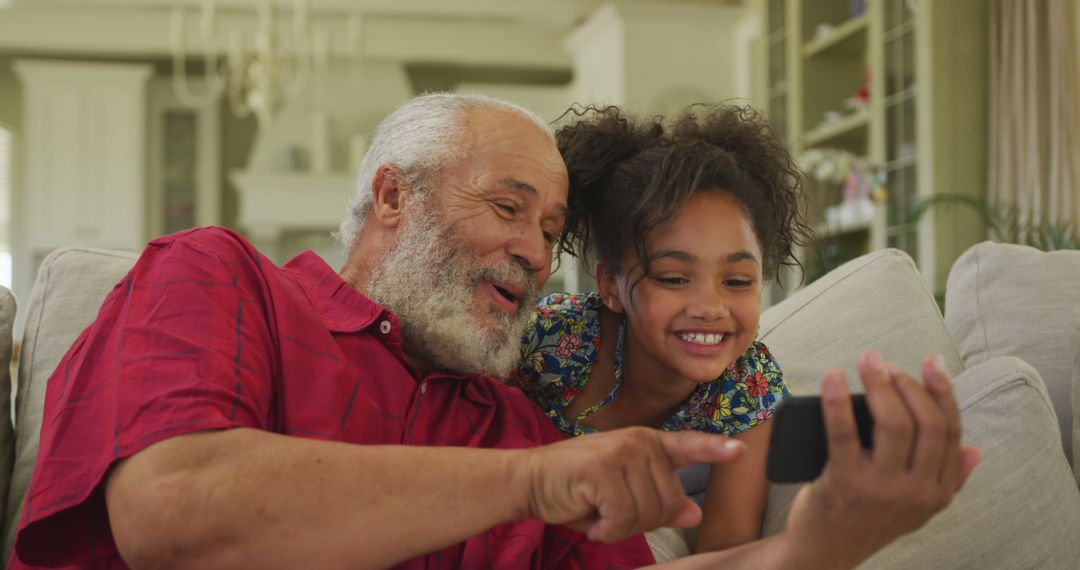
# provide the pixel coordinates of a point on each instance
(223, 412)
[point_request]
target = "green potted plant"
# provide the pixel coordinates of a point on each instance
(1005, 223)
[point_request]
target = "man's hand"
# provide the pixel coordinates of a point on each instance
(614, 485)
(864, 500)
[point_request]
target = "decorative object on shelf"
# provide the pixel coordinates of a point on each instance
(856, 184)
(857, 103)
(293, 158)
(823, 31)
(857, 8)
(259, 72)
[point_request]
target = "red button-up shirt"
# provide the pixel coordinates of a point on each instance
(205, 333)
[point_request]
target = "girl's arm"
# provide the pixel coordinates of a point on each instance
(735, 496)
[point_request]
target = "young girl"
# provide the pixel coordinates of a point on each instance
(686, 222)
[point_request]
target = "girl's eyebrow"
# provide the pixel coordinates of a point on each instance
(687, 257)
(676, 254)
(742, 255)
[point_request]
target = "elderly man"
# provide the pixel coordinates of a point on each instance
(223, 412)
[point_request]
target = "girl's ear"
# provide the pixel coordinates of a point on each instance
(609, 289)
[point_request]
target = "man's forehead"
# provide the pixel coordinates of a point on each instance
(516, 151)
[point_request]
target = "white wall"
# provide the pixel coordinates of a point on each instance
(658, 57)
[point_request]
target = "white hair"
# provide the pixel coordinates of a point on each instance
(420, 137)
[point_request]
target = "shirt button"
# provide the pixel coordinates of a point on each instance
(423, 387)
(384, 327)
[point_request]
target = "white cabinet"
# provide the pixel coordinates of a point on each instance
(85, 132)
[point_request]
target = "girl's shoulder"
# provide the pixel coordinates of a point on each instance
(558, 350)
(565, 313)
(745, 395)
(585, 304)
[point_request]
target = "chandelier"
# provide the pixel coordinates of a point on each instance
(260, 70)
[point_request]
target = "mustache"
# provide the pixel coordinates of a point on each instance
(512, 274)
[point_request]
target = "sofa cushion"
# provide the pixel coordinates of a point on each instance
(1019, 509)
(1012, 300)
(875, 301)
(70, 287)
(7, 435)
(1021, 506)
(1076, 394)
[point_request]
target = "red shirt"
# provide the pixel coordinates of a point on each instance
(205, 333)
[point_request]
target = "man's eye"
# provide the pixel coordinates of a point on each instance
(508, 208)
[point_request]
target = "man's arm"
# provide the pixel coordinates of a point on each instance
(247, 498)
(863, 501)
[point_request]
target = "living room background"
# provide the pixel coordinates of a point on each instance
(887, 103)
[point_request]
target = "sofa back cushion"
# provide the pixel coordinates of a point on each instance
(70, 287)
(1012, 300)
(875, 301)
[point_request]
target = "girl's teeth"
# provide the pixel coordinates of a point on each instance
(699, 338)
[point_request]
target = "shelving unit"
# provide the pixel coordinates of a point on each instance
(925, 68)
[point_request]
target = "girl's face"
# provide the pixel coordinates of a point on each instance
(697, 310)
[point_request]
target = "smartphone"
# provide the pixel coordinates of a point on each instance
(798, 448)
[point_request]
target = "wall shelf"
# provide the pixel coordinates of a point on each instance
(846, 128)
(849, 37)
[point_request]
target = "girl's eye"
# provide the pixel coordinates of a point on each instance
(673, 280)
(549, 237)
(739, 283)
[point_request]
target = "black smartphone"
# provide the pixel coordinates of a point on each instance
(798, 449)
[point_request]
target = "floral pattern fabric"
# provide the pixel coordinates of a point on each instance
(562, 343)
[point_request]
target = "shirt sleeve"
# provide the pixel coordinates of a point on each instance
(181, 344)
(571, 550)
(750, 395)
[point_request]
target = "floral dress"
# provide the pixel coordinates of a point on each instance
(562, 343)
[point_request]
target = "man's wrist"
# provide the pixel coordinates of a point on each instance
(521, 475)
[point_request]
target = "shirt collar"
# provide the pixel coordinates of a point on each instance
(340, 306)
(345, 310)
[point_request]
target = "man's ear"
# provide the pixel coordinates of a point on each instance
(391, 192)
(608, 286)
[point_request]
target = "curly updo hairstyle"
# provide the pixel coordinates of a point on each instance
(629, 175)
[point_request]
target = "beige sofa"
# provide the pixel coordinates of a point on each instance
(1011, 338)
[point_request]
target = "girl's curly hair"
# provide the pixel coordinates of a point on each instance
(629, 175)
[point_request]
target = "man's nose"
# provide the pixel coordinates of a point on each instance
(531, 250)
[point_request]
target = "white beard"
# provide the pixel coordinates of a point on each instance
(428, 280)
